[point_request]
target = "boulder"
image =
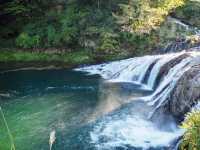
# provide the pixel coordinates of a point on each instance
(184, 96)
(186, 93)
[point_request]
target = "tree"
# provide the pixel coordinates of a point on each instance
(142, 16)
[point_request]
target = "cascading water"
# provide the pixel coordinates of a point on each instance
(132, 126)
(184, 42)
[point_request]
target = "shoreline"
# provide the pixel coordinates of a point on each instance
(16, 59)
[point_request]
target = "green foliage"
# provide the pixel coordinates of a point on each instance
(105, 27)
(137, 44)
(170, 31)
(108, 43)
(72, 58)
(16, 7)
(189, 13)
(191, 139)
(142, 16)
(56, 30)
(26, 41)
(51, 34)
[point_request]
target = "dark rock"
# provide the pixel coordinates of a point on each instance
(186, 93)
(165, 68)
(184, 96)
(187, 44)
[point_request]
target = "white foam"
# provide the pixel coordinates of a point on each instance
(196, 107)
(170, 80)
(156, 69)
(127, 70)
(132, 131)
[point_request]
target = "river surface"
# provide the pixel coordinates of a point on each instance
(86, 112)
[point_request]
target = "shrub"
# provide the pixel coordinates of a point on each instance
(69, 35)
(108, 42)
(51, 35)
(189, 13)
(102, 27)
(191, 138)
(143, 16)
(54, 30)
(26, 41)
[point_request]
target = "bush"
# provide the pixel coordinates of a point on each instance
(108, 42)
(53, 30)
(144, 16)
(191, 138)
(26, 41)
(129, 27)
(51, 35)
(189, 13)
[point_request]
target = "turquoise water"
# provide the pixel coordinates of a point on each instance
(42, 101)
(69, 102)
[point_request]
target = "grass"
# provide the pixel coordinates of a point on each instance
(73, 58)
(19, 58)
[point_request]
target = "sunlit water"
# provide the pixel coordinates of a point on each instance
(85, 111)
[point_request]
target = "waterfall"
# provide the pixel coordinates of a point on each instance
(182, 43)
(135, 70)
(129, 70)
(161, 72)
(156, 68)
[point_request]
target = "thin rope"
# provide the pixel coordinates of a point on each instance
(8, 130)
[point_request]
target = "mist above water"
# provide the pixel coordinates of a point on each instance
(132, 126)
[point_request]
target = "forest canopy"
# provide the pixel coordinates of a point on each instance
(102, 26)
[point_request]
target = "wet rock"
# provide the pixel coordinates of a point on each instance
(184, 44)
(184, 96)
(186, 93)
(165, 68)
